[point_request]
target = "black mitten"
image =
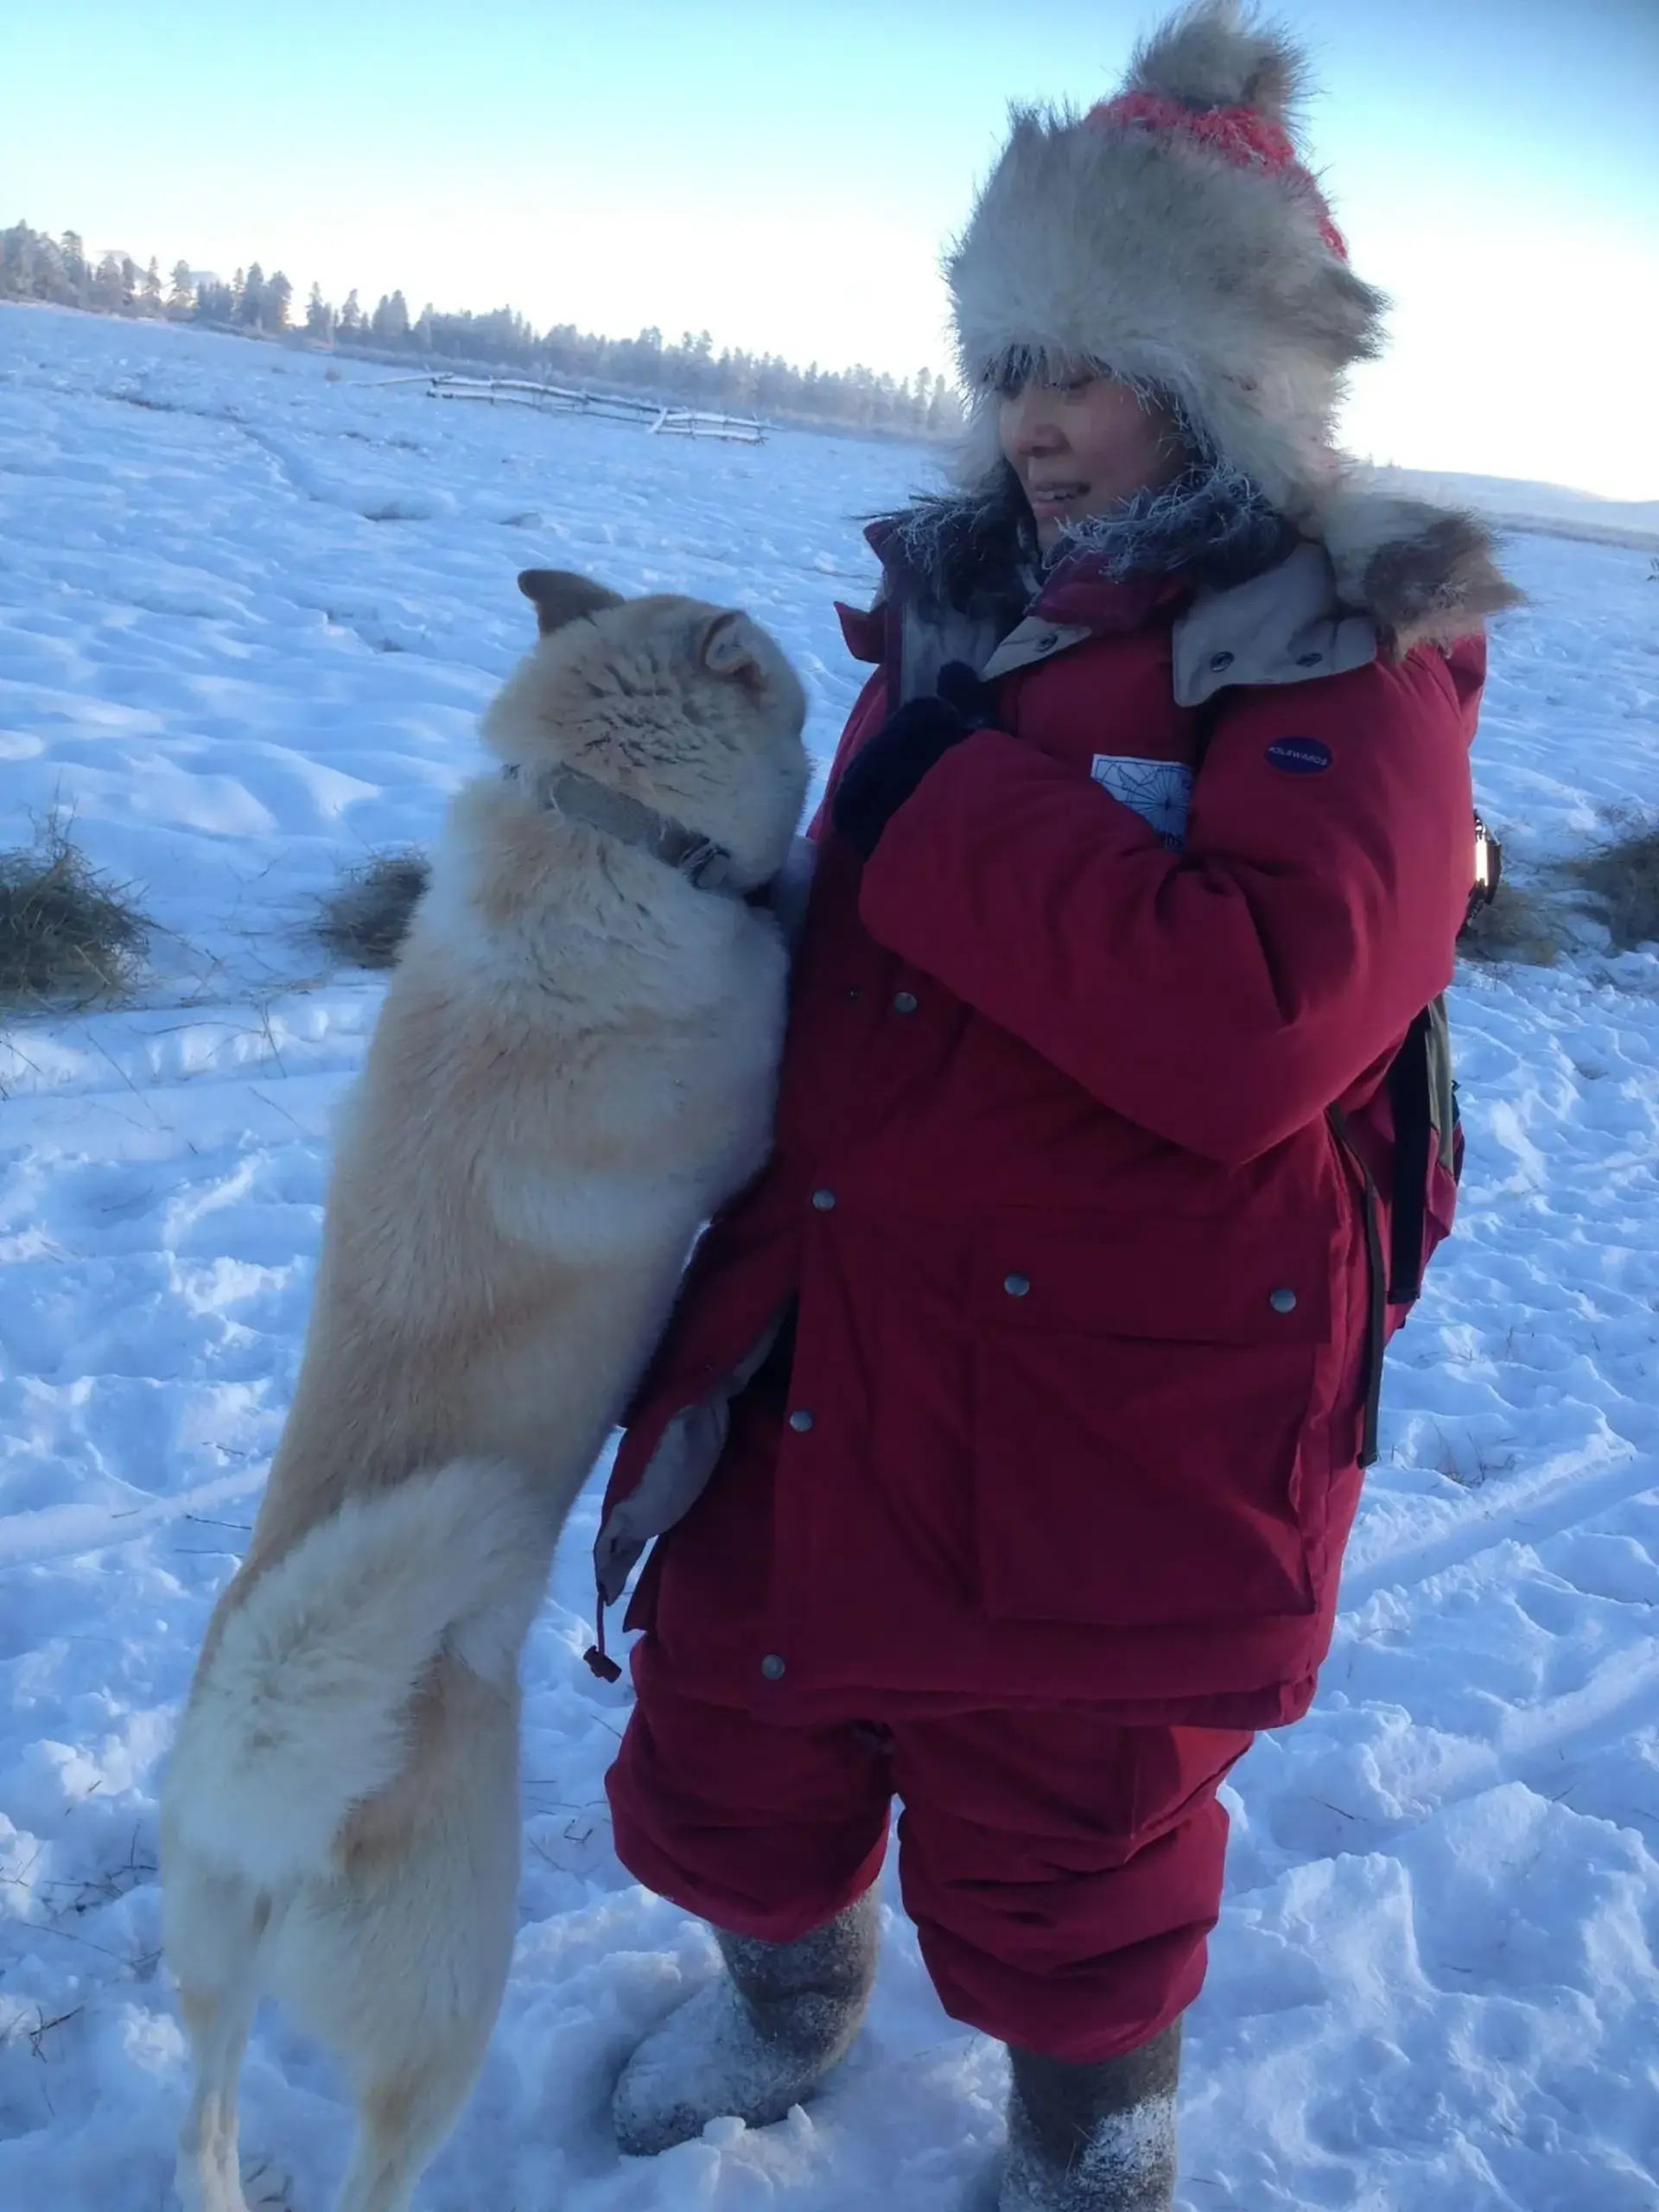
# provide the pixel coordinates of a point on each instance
(885, 770)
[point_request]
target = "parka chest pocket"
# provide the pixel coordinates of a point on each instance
(1143, 1410)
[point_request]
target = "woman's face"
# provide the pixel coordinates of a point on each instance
(1084, 446)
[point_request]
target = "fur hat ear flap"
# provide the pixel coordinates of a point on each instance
(1211, 55)
(561, 598)
(1428, 576)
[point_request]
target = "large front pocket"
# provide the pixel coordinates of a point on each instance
(1142, 1394)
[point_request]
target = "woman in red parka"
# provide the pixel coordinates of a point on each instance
(1006, 1439)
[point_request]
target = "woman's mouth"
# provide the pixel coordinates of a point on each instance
(1054, 502)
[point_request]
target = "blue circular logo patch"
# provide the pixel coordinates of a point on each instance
(1300, 756)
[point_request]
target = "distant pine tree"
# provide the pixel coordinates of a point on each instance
(390, 323)
(74, 262)
(944, 410)
(253, 305)
(32, 268)
(17, 263)
(105, 288)
(150, 287)
(351, 316)
(216, 301)
(51, 277)
(182, 295)
(318, 316)
(279, 295)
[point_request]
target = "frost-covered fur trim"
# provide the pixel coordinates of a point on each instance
(1425, 575)
(1151, 255)
(977, 551)
(972, 548)
(1428, 576)
(1212, 519)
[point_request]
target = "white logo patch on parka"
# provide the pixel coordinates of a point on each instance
(1160, 792)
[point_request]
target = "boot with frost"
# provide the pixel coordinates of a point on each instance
(757, 2040)
(1094, 2139)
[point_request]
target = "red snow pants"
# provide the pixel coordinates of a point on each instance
(1063, 1871)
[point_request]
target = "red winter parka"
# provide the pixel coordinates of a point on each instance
(1073, 1272)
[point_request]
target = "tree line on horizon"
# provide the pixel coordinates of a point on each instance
(59, 272)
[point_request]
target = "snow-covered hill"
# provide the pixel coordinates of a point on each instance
(247, 617)
(1548, 509)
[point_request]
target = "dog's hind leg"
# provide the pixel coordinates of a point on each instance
(400, 1962)
(403, 2118)
(214, 1927)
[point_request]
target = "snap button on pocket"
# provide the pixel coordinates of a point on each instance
(904, 1003)
(773, 1667)
(1283, 1301)
(800, 1421)
(1016, 1286)
(823, 1200)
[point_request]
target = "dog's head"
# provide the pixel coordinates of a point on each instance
(691, 709)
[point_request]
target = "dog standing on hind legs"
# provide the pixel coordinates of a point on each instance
(573, 1066)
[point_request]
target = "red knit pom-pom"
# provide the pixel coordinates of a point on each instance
(1239, 135)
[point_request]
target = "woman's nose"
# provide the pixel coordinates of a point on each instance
(1032, 432)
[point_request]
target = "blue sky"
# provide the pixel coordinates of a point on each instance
(783, 173)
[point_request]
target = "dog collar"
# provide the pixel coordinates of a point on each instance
(705, 865)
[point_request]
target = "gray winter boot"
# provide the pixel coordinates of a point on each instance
(1094, 2139)
(756, 2040)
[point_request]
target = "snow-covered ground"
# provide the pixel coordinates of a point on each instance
(247, 617)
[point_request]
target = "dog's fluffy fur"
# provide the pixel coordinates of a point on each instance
(574, 1065)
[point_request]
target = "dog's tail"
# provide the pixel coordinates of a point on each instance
(304, 1710)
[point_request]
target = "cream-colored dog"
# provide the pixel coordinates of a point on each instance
(573, 1066)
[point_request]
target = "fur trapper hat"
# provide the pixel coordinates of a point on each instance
(1171, 236)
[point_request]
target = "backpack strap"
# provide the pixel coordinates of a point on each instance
(1422, 1096)
(1424, 1101)
(1414, 1135)
(1377, 1329)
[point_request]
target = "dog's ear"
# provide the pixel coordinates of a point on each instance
(560, 597)
(729, 646)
